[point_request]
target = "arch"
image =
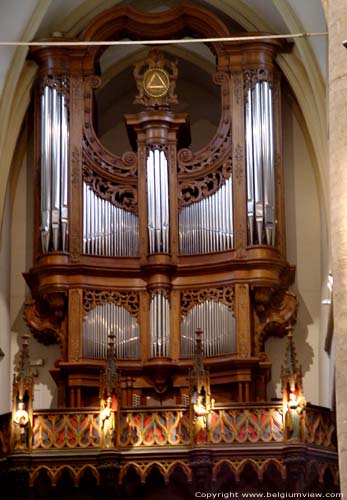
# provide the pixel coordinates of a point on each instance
(126, 468)
(218, 466)
(155, 466)
(183, 467)
(37, 472)
(278, 466)
(88, 469)
(68, 471)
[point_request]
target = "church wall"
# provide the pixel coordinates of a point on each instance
(4, 309)
(21, 261)
(303, 233)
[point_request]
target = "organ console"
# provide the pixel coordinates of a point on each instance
(161, 241)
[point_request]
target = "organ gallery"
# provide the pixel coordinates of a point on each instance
(160, 271)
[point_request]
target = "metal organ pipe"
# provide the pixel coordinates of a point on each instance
(159, 314)
(260, 165)
(105, 318)
(218, 324)
(207, 225)
(157, 201)
(54, 165)
(108, 230)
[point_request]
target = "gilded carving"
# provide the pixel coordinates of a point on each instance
(189, 298)
(156, 79)
(129, 300)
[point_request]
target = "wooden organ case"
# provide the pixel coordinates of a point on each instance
(162, 240)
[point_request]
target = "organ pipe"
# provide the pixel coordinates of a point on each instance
(108, 230)
(54, 170)
(207, 225)
(260, 165)
(218, 325)
(159, 313)
(105, 318)
(157, 202)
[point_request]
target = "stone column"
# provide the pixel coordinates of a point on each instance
(337, 99)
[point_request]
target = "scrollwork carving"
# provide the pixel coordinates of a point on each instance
(189, 298)
(129, 300)
(274, 310)
(121, 195)
(112, 177)
(216, 150)
(45, 316)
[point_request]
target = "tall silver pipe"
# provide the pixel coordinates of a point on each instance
(207, 226)
(269, 177)
(250, 168)
(46, 167)
(157, 202)
(54, 170)
(105, 318)
(159, 325)
(260, 165)
(218, 325)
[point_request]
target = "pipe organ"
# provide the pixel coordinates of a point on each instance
(166, 240)
(54, 167)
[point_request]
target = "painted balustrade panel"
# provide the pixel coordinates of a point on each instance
(174, 427)
(170, 428)
(66, 431)
(241, 426)
(320, 429)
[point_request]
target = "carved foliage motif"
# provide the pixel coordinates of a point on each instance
(129, 300)
(112, 177)
(195, 190)
(274, 309)
(119, 194)
(253, 76)
(237, 85)
(189, 298)
(60, 83)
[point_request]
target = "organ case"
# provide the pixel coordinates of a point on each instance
(161, 241)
